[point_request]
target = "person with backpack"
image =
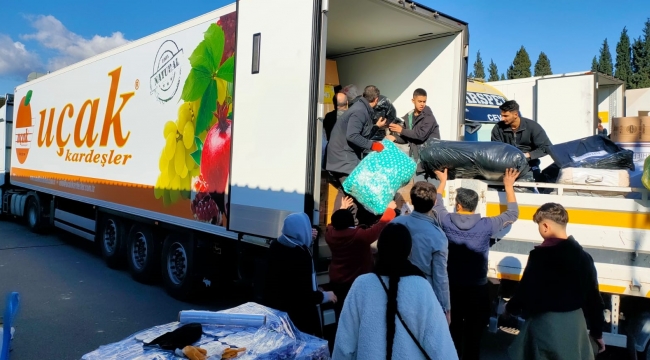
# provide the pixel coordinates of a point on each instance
(393, 312)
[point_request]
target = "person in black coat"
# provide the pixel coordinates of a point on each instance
(420, 126)
(291, 279)
(349, 142)
(524, 134)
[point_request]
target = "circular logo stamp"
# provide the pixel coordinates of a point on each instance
(166, 78)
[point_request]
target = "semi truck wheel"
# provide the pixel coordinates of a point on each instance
(142, 254)
(33, 215)
(112, 240)
(178, 267)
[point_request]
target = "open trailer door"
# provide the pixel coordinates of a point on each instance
(277, 73)
(566, 105)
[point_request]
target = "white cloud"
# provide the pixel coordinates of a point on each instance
(15, 60)
(71, 47)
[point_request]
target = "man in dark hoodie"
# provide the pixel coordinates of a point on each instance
(559, 294)
(350, 141)
(420, 126)
(469, 237)
(524, 134)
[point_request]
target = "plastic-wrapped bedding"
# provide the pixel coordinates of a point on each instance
(472, 160)
(375, 181)
(278, 338)
(596, 152)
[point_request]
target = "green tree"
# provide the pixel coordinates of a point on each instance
(641, 59)
(624, 58)
(471, 75)
(605, 64)
(594, 64)
(479, 69)
(503, 77)
(494, 71)
(543, 65)
(520, 67)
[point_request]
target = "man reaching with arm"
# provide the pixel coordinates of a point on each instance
(469, 237)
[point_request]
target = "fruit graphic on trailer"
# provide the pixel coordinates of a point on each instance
(24, 128)
(215, 158)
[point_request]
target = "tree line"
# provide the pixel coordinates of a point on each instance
(632, 59)
(632, 62)
(520, 67)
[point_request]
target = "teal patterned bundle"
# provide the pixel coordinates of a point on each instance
(377, 178)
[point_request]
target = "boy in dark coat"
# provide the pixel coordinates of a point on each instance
(559, 292)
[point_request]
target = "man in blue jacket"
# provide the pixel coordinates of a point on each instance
(469, 237)
(350, 141)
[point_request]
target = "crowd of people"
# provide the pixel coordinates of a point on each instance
(424, 293)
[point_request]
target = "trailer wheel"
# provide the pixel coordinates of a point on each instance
(142, 253)
(112, 241)
(178, 267)
(33, 215)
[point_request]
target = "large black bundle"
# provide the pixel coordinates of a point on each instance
(596, 152)
(383, 109)
(472, 160)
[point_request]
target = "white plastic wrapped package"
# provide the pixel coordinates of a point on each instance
(217, 318)
(375, 181)
(278, 338)
(594, 177)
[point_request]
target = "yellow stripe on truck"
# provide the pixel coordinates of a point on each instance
(610, 289)
(622, 219)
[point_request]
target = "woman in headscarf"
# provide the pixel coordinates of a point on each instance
(291, 279)
(393, 313)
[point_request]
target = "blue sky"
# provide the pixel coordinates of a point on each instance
(41, 35)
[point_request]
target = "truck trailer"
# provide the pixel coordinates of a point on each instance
(180, 154)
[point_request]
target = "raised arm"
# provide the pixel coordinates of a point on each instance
(512, 211)
(439, 208)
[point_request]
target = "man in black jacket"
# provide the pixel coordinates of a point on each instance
(350, 141)
(420, 126)
(341, 105)
(525, 134)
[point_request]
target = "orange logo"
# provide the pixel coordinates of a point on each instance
(24, 128)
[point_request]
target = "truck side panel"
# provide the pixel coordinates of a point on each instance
(132, 129)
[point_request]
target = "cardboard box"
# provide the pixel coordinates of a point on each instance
(329, 95)
(331, 73)
(644, 113)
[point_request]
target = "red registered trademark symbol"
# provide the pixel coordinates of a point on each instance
(137, 84)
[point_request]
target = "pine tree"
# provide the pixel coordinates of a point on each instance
(503, 77)
(520, 67)
(641, 58)
(479, 69)
(594, 64)
(543, 65)
(605, 65)
(624, 58)
(494, 71)
(471, 75)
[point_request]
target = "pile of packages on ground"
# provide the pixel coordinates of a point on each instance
(249, 331)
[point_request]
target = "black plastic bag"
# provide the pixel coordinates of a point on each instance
(185, 335)
(596, 152)
(383, 109)
(472, 159)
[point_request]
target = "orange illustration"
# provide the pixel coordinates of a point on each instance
(23, 126)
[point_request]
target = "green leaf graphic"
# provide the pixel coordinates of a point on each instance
(196, 156)
(28, 97)
(196, 83)
(227, 70)
(201, 58)
(207, 108)
(215, 40)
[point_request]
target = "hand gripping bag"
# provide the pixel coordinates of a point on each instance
(375, 181)
(472, 159)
